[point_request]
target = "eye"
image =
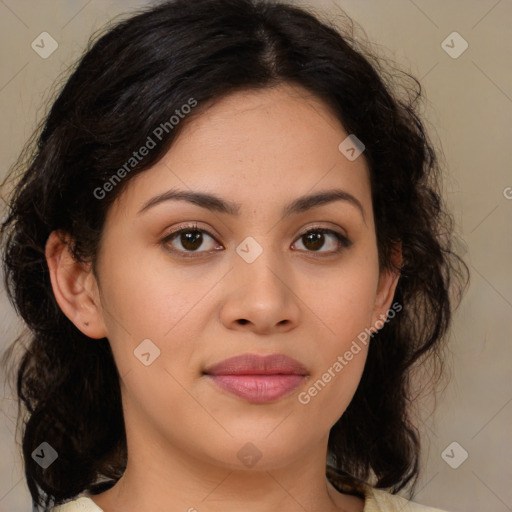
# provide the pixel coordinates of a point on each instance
(190, 237)
(315, 238)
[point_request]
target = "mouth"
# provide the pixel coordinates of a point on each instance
(257, 379)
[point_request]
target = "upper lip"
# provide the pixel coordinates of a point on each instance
(254, 364)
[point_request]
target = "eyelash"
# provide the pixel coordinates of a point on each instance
(343, 240)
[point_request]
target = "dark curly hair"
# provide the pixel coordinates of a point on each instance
(133, 78)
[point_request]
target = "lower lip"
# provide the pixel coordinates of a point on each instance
(258, 388)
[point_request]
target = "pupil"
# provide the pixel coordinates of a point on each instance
(189, 238)
(317, 240)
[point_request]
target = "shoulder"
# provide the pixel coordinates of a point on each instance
(81, 504)
(377, 500)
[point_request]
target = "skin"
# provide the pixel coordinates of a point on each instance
(261, 149)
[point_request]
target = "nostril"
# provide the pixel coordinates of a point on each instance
(243, 321)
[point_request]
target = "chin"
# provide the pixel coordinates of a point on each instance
(265, 454)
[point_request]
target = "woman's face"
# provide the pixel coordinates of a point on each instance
(252, 276)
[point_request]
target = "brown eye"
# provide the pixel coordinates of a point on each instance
(190, 238)
(315, 239)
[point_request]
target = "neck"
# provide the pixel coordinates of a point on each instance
(178, 483)
(167, 475)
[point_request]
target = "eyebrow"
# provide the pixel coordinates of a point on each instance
(214, 203)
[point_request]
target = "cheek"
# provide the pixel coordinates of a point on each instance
(146, 289)
(344, 305)
(143, 300)
(344, 299)
(340, 359)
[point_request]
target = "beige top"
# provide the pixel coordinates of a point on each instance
(375, 500)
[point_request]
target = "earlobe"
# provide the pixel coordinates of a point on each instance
(74, 287)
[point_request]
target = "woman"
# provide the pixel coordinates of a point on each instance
(231, 252)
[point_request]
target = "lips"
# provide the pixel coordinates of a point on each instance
(257, 379)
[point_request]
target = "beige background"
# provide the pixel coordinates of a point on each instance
(469, 105)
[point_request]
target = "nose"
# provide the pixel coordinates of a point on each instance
(261, 296)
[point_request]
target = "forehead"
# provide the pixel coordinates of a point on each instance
(269, 145)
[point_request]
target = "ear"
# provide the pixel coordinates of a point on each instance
(74, 286)
(388, 281)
